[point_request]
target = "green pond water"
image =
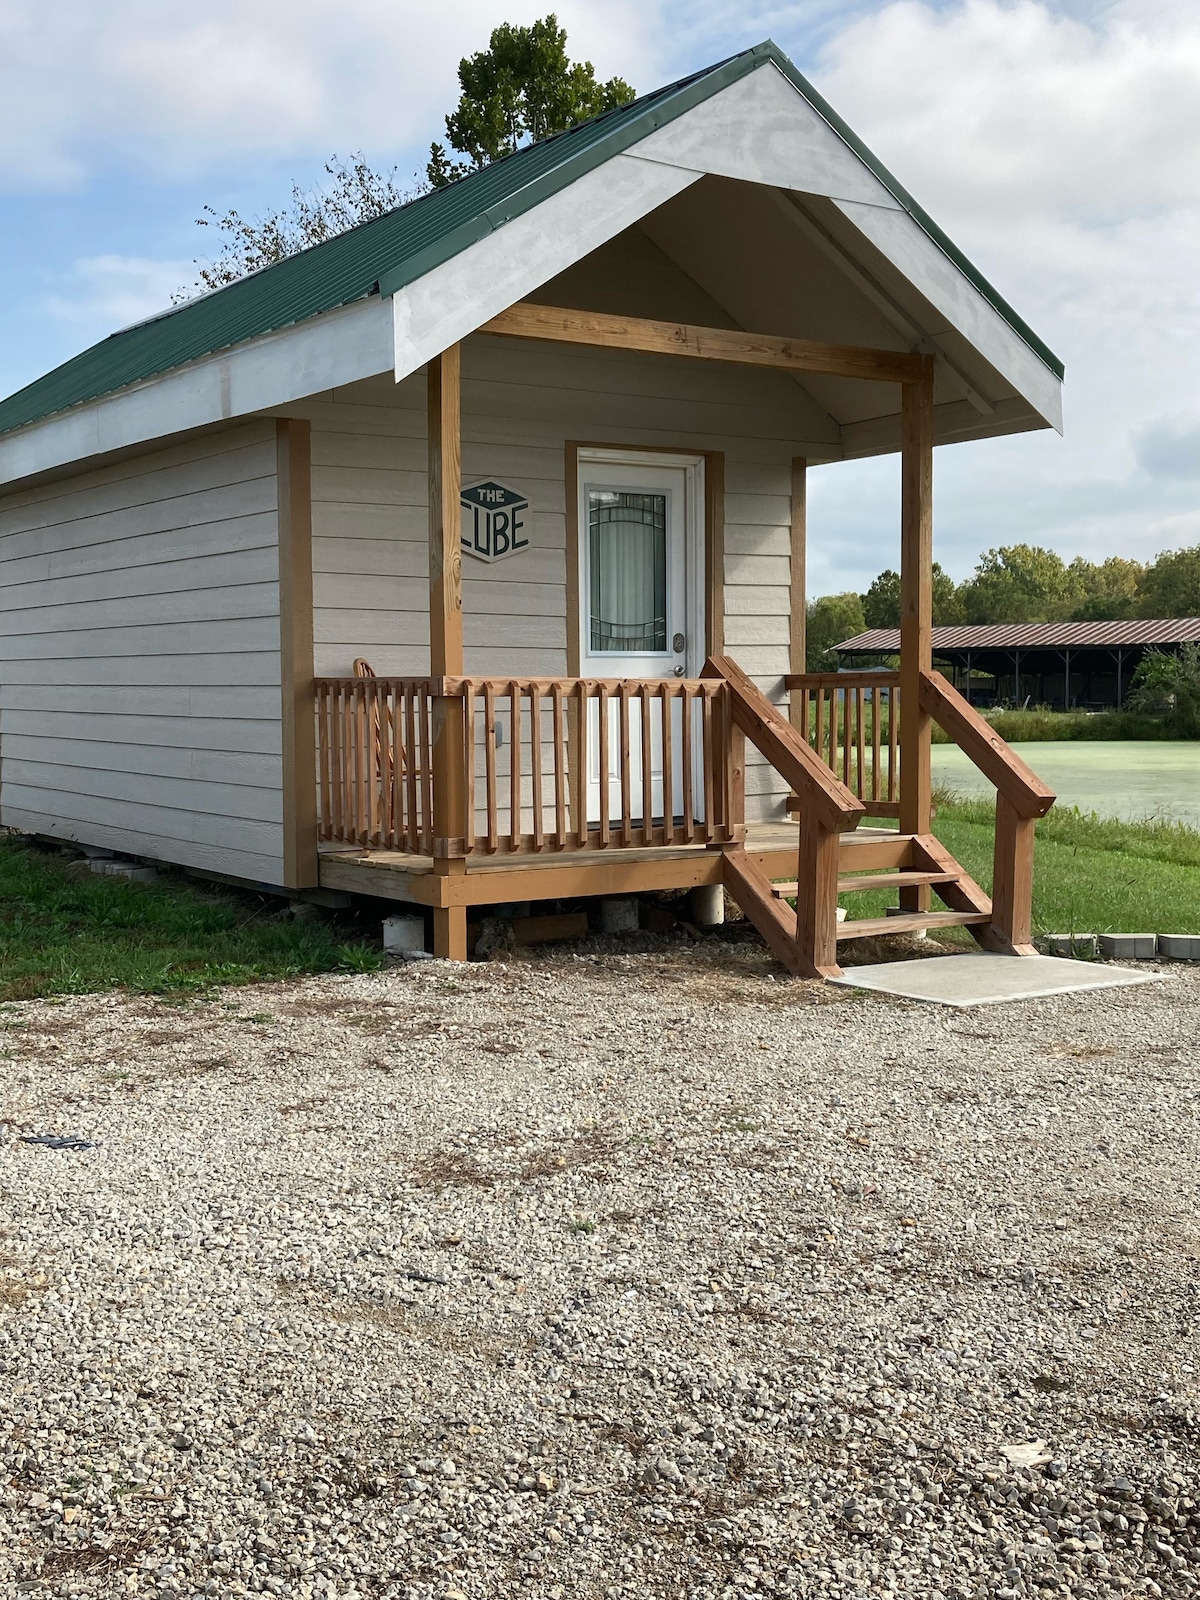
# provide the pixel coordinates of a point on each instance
(1127, 778)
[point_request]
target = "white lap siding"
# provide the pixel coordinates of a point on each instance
(521, 404)
(139, 656)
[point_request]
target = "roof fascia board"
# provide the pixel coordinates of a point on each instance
(324, 352)
(899, 238)
(502, 267)
(918, 213)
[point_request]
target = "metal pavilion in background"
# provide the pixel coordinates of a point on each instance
(1083, 666)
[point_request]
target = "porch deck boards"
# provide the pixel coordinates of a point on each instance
(397, 875)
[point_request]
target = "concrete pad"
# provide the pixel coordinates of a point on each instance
(979, 979)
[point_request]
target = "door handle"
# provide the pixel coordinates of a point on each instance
(679, 672)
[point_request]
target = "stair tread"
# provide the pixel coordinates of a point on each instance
(914, 922)
(889, 880)
(874, 880)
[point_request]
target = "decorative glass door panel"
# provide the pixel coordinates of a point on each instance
(634, 614)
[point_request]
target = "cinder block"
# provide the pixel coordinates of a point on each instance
(403, 935)
(619, 916)
(1080, 946)
(1129, 946)
(1179, 946)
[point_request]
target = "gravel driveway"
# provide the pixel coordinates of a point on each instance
(600, 1275)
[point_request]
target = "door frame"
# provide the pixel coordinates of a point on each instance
(705, 537)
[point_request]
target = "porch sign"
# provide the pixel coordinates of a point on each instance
(493, 521)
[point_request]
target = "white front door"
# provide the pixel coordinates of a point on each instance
(641, 602)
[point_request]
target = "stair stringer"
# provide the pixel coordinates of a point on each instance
(774, 918)
(964, 894)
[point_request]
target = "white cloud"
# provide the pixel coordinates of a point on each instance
(172, 89)
(110, 291)
(1062, 153)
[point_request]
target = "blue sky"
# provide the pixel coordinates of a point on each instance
(1058, 144)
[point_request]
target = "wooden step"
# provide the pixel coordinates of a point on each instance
(893, 880)
(872, 880)
(882, 927)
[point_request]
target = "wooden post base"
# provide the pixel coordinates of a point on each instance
(450, 933)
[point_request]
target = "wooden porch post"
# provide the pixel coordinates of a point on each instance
(916, 612)
(446, 640)
(798, 605)
(294, 478)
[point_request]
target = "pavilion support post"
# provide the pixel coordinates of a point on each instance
(446, 642)
(916, 612)
(798, 635)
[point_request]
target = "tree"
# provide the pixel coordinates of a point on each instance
(1107, 591)
(1169, 686)
(1171, 586)
(831, 619)
(521, 88)
(881, 603)
(356, 194)
(1018, 583)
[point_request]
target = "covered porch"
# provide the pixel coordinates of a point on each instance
(450, 790)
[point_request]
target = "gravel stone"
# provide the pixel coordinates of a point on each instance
(630, 1269)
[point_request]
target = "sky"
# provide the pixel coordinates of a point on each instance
(1057, 143)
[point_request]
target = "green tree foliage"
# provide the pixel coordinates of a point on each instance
(881, 603)
(523, 87)
(1018, 583)
(831, 619)
(1169, 686)
(354, 193)
(1105, 591)
(520, 89)
(1171, 586)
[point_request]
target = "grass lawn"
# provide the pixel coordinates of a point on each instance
(1091, 874)
(65, 931)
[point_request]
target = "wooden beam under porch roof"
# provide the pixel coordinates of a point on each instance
(557, 324)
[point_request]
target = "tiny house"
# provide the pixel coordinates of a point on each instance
(460, 559)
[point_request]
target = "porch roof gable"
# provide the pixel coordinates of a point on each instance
(393, 251)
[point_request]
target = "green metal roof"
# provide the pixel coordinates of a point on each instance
(393, 250)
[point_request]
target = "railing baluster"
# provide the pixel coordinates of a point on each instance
(469, 766)
(560, 773)
(644, 712)
(686, 745)
(515, 701)
(707, 757)
(489, 756)
(426, 737)
(893, 783)
(818, 739)
(602, 775)
(876, 713)
(626, 766)
(667, 698)
(411, 834)
(535, 742)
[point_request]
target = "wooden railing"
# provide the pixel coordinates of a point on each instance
(374, 768)
(590, 764)
(804, 940)
(1021, 797)
(548, 764)
(852, 721)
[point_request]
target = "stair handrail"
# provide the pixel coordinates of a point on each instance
(837, 808)
(1015, 782)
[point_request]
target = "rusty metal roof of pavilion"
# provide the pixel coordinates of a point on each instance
(1034, 636)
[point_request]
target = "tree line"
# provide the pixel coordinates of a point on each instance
(1017, 583)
